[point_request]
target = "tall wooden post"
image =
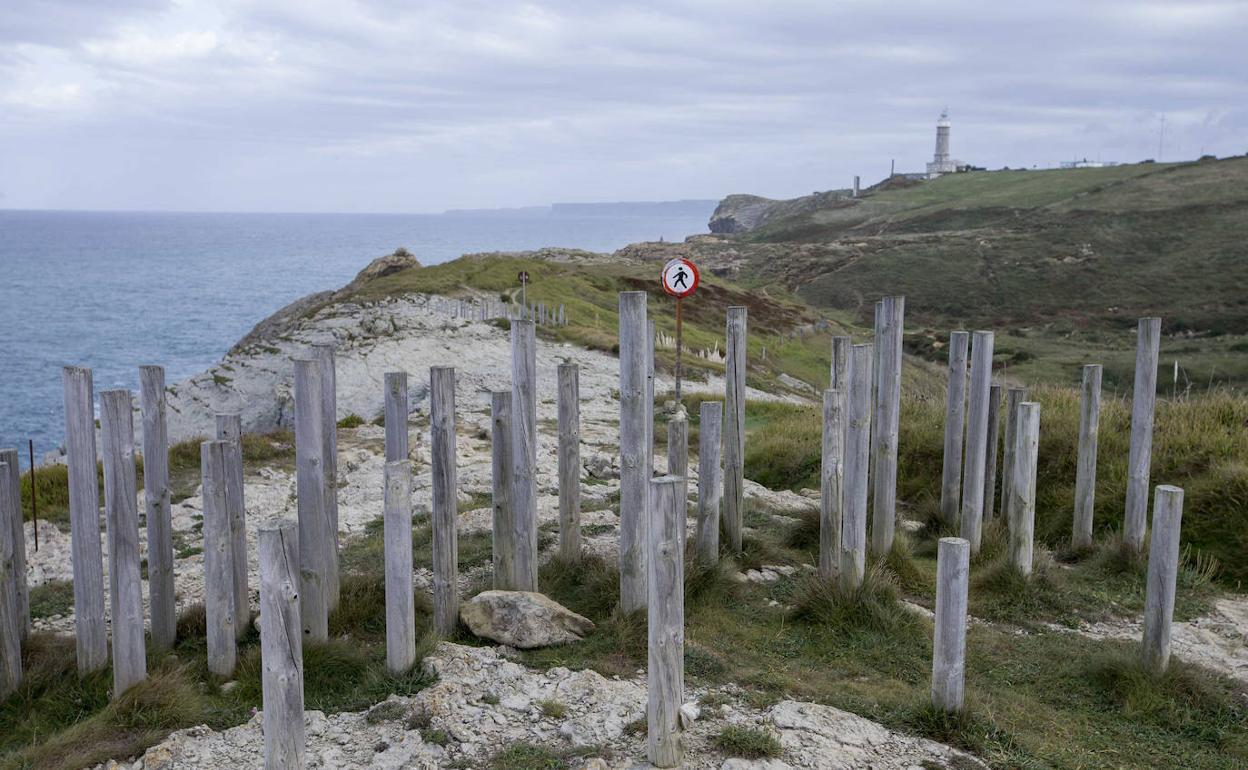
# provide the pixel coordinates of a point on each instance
(1013, 397)
(310, 489)
(524, 452)
(121, 508)
(1022, 510)
(504, 540)
(853, 561)
(887, 415)
(1085, 479)
(11, 619)
(1143, 403)
(230, 430)
(734, 427)
(569, 462)
(678, 456)
(445, 503)
(13, 517)
(665, 672)
(953, 558)
(955, 428)
(839, 379)
(400, 604)
(329, 464)
(157, 507)
(651, 335)
(710, 485)
(218, 559)
(976, 440)
(84, 520)
(1163, 570)
(831, 483)
(991, 455)
(634, 474)
(396, 410)
(281, 647)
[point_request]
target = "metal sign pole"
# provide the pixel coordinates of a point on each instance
(679, 319)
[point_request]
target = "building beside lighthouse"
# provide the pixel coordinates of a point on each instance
(942, 161)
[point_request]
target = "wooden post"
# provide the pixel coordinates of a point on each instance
(396, 416)
(887, 415)
(310, 489)
(121, 508)
(1143, 401)
(853, 561)
(13, 518)
(831, 483)
(634, 475)
(329, 464)
(953, 559)
(955, 426)
(156, 506)
(11, 620)
(665, 672)
(991, 455)
(569, 462)
(1163, 570)
(524, 453)
(839, 379)
(281, 647)
(400, 604)
(651, 334)
(504, 530)
(710, 483)
(230, 430)
(734, 426)
(1013, 397)
(218, 559)
(84, 520)
(445, 503)
(1085, 480)
(976, 440)
(1022, 510)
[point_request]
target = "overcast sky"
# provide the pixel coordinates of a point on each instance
(410, 105)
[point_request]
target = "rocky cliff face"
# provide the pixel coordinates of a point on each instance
(743, 213)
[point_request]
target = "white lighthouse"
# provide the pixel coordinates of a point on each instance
(942, 162)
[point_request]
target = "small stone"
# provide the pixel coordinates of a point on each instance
(523, 619)
(689, 714)
(229, 686)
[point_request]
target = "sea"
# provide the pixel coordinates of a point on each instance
(116, 290)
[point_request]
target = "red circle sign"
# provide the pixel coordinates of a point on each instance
(680, 277)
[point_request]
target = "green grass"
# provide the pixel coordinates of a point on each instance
(747, 742)
(55, 597)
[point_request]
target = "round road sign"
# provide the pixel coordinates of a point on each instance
(680, 277)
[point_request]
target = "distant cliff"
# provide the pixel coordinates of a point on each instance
(743, 213)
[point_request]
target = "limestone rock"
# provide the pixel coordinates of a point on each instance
(523, 619)
(754, 764)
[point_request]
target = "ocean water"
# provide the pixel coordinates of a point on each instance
(115, 290)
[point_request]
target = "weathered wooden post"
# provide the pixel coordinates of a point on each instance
(976, 440)
(955, 427)
(445, 502)
(218, 559)
(1143, 402)
(310, 489)
(281, 647)
(400, 604)
(570, 462)
(121, 508)
(665, 672)
(84, 520)
(230, 430)
(853, 560)
(887, 415)
(840, 364)
(991, 456)
(1163, 570)
(678, 458)
(650, 342)
(524, 453)
(1013, 397)
(12, 516)
(162, 601)
(11, 619)
(1085, 480)
(710, 485)
(734, 426)
(396, 410)
(831, 483)
(1022, 510)
(634, 473)
(329, 464)
(953, 567)
(504, 540)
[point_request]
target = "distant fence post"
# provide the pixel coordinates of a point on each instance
(1085, 480)
(634, 475)
(665, 672)
(90, 635)
(1143, 403)
(857, 464)
(524, 452)
(281, 647)
(445, 502)
(218, 559)
(121, 507)
(400, 606)
(953, 558)
(230, 430)
(710, 485)
(734, 426)
(11, 620)
(887, 415)
(976, 440)
(1013, 397)
(329, 464)
(157, 507)
(831, 483)
(504, 540)
(396, 411)
(991, 455)
(570, 462)
(1163, 570)
(955, 428)
(310, 489)
(1022, 509)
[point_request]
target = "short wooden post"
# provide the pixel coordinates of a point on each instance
(665, 672)
(310, 489)
(976, 440)
(1013, 397)
(678, 456)
(734, 426)
(91, 636)
(1143, 402)
(710, 485)
(504, 541)
(163, 604)
(400, 604)
(853, 561)
(831, 483)
(218, 559)
(11, 620)
(991, 456)
(121, 508)
(1163, 570)
(1022, 510)
(524, 452)
(281, 647)
(230, 430)
(840, 364)
(953, 559)
(887, 416)
(445, 502)
(955, 428)
(13, 517)
(569, 462)
(396, 411)
(329, 464)
(1085, 479)
(634, 474)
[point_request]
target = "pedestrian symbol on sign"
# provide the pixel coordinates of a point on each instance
(680, 278)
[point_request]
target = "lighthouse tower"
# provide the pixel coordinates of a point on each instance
(942, 163)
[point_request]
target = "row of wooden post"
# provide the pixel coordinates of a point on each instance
(487, 310)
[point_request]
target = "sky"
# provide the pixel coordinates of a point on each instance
(423, 105)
